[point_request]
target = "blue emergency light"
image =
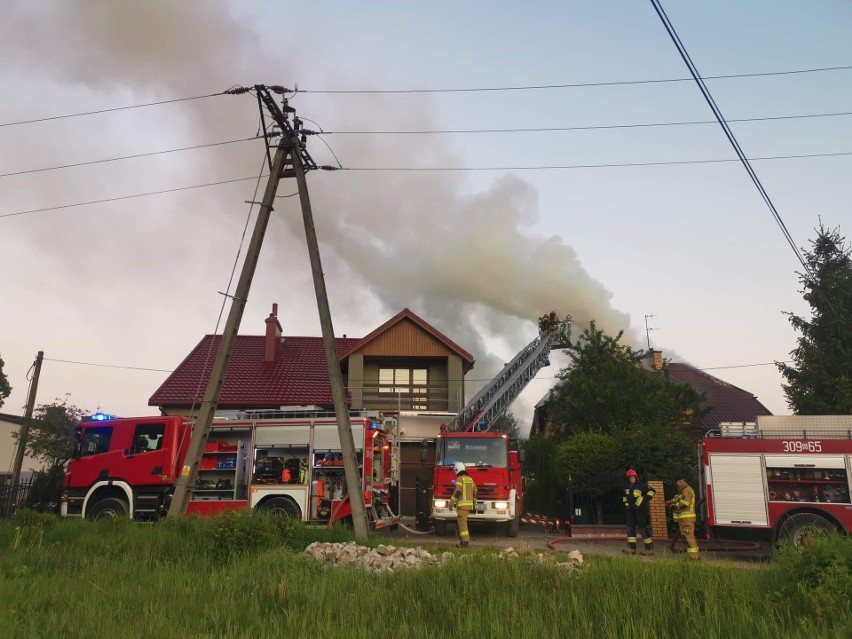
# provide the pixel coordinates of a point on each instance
(101, 417)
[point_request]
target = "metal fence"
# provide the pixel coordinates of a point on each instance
(13, 498)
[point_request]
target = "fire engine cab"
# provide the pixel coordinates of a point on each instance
(780, 477)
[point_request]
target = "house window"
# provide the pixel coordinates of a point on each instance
(411, 385)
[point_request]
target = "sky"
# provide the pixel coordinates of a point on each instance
(108, 290)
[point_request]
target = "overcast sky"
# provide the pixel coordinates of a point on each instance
(479, 254)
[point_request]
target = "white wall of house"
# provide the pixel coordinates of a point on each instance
(11, 424)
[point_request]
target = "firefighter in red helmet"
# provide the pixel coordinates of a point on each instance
(637, 496)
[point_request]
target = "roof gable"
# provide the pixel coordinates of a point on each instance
(406, 334)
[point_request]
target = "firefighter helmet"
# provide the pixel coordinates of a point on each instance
(632, 473)
(458, 467)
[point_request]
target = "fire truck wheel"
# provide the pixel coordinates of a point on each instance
(512, 527)
(282, 506)
(801, 528)
(110, 508)
(440, 528)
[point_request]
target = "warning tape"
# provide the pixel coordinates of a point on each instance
(551, 525)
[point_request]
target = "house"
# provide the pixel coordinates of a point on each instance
(726, 402)
(405, 368)
(11, 424)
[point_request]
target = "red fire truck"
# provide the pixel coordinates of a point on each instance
(271, 460)
(490, 461)
(779, 478)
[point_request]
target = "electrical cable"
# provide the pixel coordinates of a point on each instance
(322, 132)
(575, 84)
(553, 167)
(127, 157)
(725, 128)
(227, 295)
(432, 169)
(557, 129)
(126, 197)
(135, 368)
(121, 108)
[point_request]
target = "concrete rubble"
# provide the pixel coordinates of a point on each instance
(385, 558)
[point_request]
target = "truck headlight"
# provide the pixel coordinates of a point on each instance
(501, 505)
(440, 503)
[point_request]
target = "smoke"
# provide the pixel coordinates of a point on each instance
(468, 262)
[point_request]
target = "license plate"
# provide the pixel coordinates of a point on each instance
(480, 506)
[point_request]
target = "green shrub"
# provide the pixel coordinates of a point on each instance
(816, 581)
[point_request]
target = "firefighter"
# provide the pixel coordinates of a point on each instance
(637, 496)
(683, 505)
(464, 498)
(554, 321)
(544, 323)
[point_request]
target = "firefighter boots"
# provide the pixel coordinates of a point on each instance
(648, 549)
(629, 551)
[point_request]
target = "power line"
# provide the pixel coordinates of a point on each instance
(126, 157)
(426, 131)
(708, 97)
(467, 379)
(554, 167)
(134, 368)
(452, 90)
(574, 85)
(580, 128)
(121, 108)
(127, 197)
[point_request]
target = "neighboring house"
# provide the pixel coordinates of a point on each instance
(8, 425)
(727, 403)
(405, 367)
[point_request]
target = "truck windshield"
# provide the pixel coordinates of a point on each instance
(472, 452)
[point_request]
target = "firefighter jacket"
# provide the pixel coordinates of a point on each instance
(465, 493)
(683, 504)
(637, 496)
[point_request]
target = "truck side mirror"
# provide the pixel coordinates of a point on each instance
(521, 456)
(424, 446)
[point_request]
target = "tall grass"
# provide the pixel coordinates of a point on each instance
(244, 575)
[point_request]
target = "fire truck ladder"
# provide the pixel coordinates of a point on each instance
(496, 396)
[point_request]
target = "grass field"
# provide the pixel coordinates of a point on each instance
(244, 575)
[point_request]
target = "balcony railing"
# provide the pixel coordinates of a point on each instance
(403, 397)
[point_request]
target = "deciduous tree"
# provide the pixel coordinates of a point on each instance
(51, 432)
(5, 389)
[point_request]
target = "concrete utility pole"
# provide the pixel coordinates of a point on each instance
(355, 490)
(291, 160)
(24, 434)
(189, 473)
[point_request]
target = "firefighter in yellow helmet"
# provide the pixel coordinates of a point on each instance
(683, 505)
(637, 496)
(464, 498)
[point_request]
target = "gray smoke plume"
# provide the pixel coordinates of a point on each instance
(465, 261)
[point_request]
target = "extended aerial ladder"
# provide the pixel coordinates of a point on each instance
(496, 396)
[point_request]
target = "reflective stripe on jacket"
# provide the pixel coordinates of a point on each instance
(684, 504)
(637, 495)
(465, 493)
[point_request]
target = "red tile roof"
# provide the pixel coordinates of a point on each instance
(727, 402)
(467, 358)
(299, 376)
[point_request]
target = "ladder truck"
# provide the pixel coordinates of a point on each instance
(466, 438)
(781, 477)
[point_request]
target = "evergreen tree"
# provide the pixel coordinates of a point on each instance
(820, 380)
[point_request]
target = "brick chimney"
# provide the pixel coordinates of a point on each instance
(657, 360)
(272, 343)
